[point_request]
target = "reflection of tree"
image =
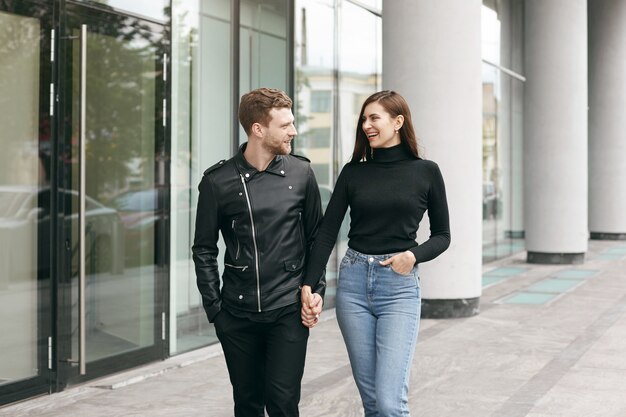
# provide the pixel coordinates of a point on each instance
(124, 95)
(184, 41)
(22, 26)
(302, 83)
(17, 37)
(123, 99)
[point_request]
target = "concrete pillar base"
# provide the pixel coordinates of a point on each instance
(555, 258)
(450, 309)
(607, 236)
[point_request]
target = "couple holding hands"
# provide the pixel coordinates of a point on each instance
(266, 203)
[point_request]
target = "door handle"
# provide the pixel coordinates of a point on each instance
(81, 211)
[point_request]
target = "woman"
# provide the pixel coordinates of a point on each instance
(388, 187)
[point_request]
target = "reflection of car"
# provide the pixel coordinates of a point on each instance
(142, 212)
(25, 232)
(138, 210)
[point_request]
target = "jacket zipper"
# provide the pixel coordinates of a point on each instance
(256, 251)
(241, 267)
(236, 238)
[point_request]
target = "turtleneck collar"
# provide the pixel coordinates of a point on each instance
(392, 154)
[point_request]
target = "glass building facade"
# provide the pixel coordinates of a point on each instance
(220, 50)
(110, 113)
(335, 70)
(503, 93)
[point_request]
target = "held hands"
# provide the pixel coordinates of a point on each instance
(312, 304)
(402, 263)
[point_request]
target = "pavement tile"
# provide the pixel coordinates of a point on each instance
(554, 285)
(524, 297)
(549, 342)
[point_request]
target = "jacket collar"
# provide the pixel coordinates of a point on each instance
(276, 167)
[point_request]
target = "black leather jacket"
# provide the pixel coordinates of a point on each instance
(268, 221)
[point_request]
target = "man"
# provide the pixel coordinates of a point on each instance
(266, 203)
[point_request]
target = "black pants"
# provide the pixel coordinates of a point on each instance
(265, 362)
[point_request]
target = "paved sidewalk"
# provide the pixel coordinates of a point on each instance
(550, 341)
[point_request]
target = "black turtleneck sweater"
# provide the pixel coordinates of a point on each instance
(387, 196)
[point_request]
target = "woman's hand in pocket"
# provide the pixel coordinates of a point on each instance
(402, 263)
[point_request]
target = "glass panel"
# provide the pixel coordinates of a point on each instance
(314, 107)
(122, 213)
(376, 5)
(502, 164)
(502, 129)
(155, 9)
(23, 214)
(202, 122)
(360, 70)
(314, 102)
(327, 106)
(490, 36)
(263, 46)
(491, 164)
(201, 136)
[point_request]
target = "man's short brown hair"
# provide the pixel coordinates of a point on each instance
(256, 105)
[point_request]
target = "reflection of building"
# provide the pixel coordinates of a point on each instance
(159, 106)
(490, 134)
(319, 138)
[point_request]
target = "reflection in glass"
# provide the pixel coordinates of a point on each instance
(20, 216)
(502, 135)
(202, 111)
(335, 71)
(314, 107)
(263, 43)
(376, 5)
(122, 214)
(201, 72)
(155, 9)
(360, 69)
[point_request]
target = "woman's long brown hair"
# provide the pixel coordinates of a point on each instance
(395, 105)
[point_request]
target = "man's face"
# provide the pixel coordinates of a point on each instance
(280, 131)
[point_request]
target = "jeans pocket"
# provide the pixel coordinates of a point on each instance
(410, 274)
(345, 262)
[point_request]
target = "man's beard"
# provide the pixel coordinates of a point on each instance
(277, 148)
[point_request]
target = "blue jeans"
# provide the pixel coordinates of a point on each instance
(378, 311)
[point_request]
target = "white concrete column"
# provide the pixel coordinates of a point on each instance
(555, 129)
(607, 124)
(432, 56)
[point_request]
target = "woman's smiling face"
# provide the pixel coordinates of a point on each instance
(379, 127)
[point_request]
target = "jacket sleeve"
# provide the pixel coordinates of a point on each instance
(313, 219)
(205, 249)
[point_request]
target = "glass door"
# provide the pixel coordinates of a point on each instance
(112, 284)
(25, 221)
